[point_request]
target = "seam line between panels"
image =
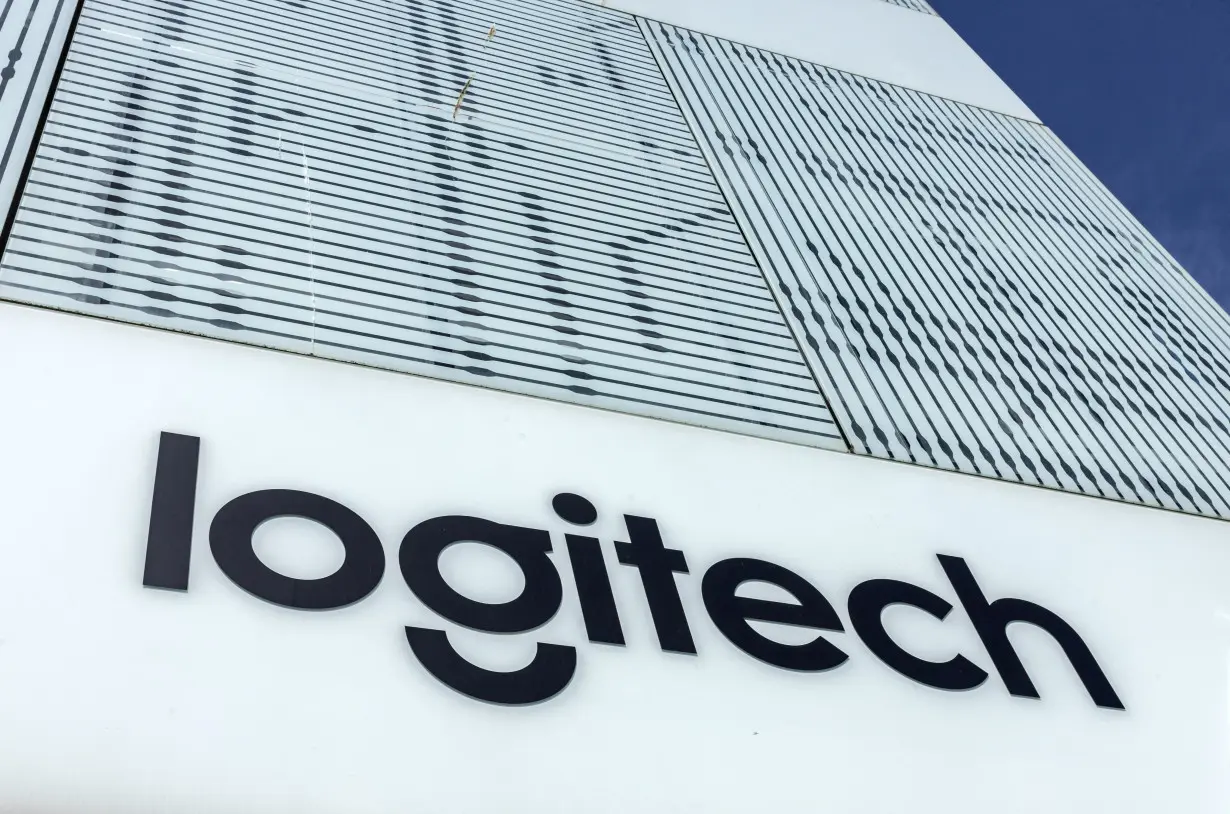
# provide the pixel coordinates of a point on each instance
(671, 85)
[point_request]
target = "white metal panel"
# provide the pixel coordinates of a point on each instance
(118, 698)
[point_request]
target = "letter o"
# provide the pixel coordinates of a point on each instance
(230, 540)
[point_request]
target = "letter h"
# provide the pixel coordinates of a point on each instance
(991, 620)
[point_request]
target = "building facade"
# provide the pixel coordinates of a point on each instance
(737, 330)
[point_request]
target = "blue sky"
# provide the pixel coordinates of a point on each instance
(1140, 90)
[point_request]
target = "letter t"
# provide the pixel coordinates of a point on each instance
(658, 566)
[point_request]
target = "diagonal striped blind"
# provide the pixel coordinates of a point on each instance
(916, 5)
(972, 297)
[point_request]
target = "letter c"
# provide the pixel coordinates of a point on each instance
(867, 604)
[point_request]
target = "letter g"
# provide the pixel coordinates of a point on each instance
(553, 665)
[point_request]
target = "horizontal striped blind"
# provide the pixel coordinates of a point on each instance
(310, 176)
(32, 38)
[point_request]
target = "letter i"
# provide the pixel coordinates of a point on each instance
(588, 568)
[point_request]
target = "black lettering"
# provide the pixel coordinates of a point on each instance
(538, 602)
(867, 604)
(554, 665)
(168, 548)
(545, 677)
(730, 613)
(589, 571)
(575, 509)
(594, 590)
(230, 539)
(991, 620)
(658, 566)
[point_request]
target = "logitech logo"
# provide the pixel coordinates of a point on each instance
(659, 567)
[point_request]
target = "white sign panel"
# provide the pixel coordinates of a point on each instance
(405, 595)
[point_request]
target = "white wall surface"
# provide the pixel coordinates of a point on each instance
(118, 698)
(866, 37)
